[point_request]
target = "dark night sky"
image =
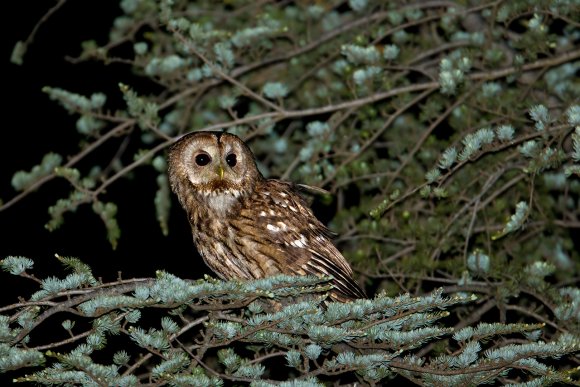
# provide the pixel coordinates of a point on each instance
(35, 125)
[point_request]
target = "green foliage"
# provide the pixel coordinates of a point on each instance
(16, 265)
(447, 133)
(138, 107)
(107, 212)
(295, 322)
(23, 180)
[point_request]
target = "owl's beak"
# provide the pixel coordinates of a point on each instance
(220, 171)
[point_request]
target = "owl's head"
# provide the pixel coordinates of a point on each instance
(212, 163)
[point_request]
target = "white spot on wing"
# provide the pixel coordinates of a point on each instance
(282, 226)
(293, 208)
(272, 228)
(302, 242)
(262, 213)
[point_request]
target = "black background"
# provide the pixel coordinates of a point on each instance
(34, 125)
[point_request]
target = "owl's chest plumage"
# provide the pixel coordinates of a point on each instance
(227, 247)
(223, 203)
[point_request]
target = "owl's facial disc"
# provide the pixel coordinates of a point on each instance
(213, 164)
(216, 167)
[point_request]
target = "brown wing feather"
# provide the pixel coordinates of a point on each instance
(292, 238)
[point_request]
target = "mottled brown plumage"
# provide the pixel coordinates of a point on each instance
(245, 226)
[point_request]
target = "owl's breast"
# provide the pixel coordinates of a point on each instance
(229, 252)
(221, 203)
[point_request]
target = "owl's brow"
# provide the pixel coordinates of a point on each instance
(220, 144)
(218, 135)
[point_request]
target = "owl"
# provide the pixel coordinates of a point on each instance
(245, 226)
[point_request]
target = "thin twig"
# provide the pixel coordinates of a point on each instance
(74, 160)
(42, 20)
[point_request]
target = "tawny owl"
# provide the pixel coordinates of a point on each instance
(245, 226)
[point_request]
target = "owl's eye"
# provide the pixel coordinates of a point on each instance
(231, 159)
(202, 159)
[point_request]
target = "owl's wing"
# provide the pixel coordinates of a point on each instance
(286, 231)
(319, 264)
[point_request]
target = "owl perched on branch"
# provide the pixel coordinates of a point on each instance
(246, 226)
